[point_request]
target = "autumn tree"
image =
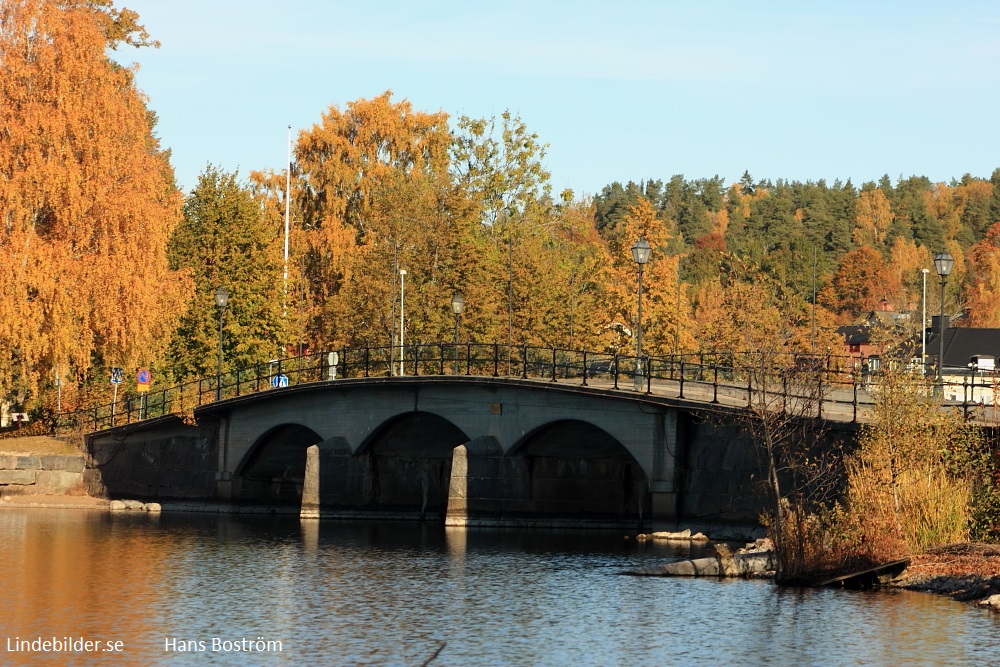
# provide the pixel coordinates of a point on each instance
(665, 317)
(348, 168)
(982, 294)
(225, 241)
(947, 204)
(739, 312)
(423, 225)
(379, 187)
(499, 163)
(87, 199)
(860, 283)
(873, 219)
(906, 259)
(582, 261)
(743, 321)
(343, 159)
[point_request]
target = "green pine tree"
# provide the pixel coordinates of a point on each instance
(224, 241)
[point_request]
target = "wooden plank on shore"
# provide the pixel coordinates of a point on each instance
(866, 577)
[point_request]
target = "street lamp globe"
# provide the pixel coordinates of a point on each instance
(221, 297)
(641, 250)
(457, 304)
(943, 263)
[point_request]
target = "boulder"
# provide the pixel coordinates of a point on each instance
(725, 563)
(698, 567)
(992, 601)
(682, 536)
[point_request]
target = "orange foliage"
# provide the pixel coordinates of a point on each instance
(665, 318)
(86, 198)
(740, 316)
(860, 283)
(349, 154)
(947, 204)
(982, 296)
(906, 259)
(720, 221)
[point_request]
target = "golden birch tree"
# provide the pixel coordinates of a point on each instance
(874, 216)
(370, 188)
(906, 259)
(87, 199)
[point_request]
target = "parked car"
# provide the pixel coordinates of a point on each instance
(605, 368)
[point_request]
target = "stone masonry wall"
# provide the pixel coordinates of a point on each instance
(38, 475)
(170, 461)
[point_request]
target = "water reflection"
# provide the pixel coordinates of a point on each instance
(391, 593)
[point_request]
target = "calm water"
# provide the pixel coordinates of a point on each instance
(393, 594)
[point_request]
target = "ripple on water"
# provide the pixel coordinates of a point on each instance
(391, 594)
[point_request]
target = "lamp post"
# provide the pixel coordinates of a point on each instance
(402, 276)
(943, 263)
(221, 301)
(640, 254)
(457, 306)
(923, 325)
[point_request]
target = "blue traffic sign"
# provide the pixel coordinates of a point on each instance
(117, 375)
(279, 381)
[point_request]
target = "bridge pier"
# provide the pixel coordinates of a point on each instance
(474, 493)
(310, 485)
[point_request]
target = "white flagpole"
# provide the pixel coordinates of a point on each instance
(288, 198)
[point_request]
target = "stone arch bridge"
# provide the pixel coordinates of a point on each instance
(468, 450)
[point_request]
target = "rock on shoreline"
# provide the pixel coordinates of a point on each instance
(134, 506)
(681, 536)
(754, 560)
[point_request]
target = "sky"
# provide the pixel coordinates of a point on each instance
(632, 90)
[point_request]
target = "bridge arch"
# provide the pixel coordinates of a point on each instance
(410, 462)
(571, 467)
(274, 467)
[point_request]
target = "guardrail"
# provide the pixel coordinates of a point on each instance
(828, 385)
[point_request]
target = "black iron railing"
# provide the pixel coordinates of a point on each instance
(824, 387)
